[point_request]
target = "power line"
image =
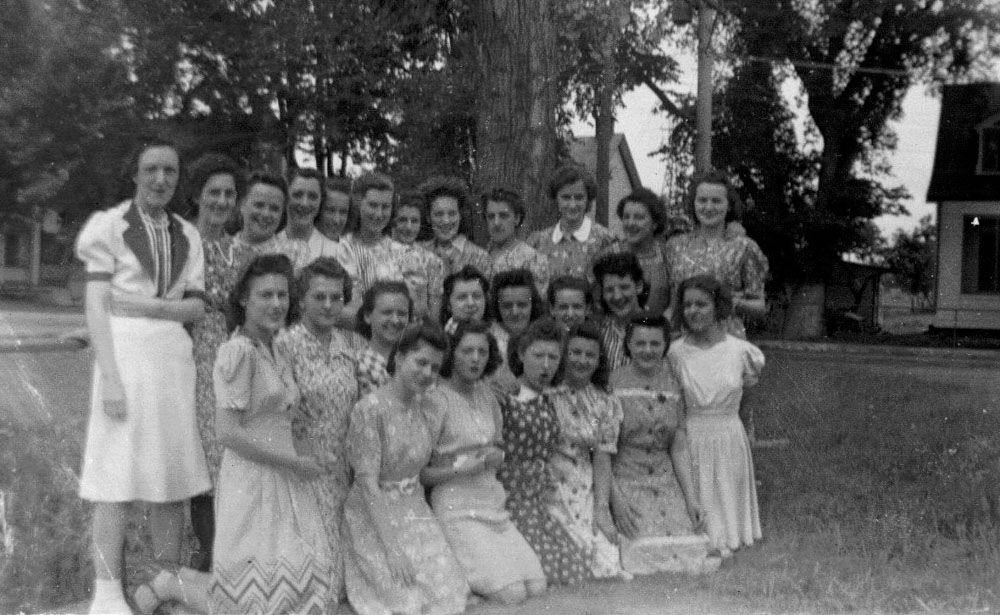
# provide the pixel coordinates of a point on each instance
(893, 72)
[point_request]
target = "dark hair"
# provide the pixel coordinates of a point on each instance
(647, 320)
(426, 332)
(542, 330)
(445, 185)
(570, 174)
(309, 174)
(465, 274)
(373, 180)
(267, 179)
(206, 167)
(587, 330)
(569, 282)
(622, 264)
(511, 198)
(514, 278)
(370, 298)
(722, 298)
(472, 327)
(131, 168)
(652, 203)
(715, 176)
(322, 267)
(342, 185)
(415, 199)
(265, 264)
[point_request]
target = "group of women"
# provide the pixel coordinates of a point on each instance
(358, 402)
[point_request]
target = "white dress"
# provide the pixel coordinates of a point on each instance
(722, 467)
(155, 453)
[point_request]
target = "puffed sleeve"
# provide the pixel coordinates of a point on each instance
(609, 424)
(233, 374)
(364, 443)
(753, 269)
(94, 246)
(753, 363)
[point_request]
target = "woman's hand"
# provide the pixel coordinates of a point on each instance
(626, 515)
(114, 398)
(399, 567)
(697, 517)
(129, 304)
(307, 467)
(605, 524)
(492, 458)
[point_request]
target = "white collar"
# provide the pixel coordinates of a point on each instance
(581, 234)
(458, 242)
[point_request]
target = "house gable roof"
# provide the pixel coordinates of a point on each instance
(584, 151)
(964, 108)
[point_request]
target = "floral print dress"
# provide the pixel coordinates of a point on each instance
(391, 444)
(371, 370)
(531, 436)
(326, 377)
(589, 420)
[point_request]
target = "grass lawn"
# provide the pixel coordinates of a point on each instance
(885, 500)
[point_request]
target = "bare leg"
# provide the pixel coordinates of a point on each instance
(515, 593)
(167, 526)
(108, 537)
(535, 587)
(188, 586)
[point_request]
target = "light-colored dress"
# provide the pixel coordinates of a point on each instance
(371, 370)
(225, 260)
(589, 420)
(572, 253)
(519, 255)
(297, 250)
(653, 416)
(713, 380)
(319, 246)
(271, 553)
(155, 453)
(391, 444)
(325, 374)
(530, 437)
(492, 552)
(459, 253)
(735, 260)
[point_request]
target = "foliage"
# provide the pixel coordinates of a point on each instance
(912, 258)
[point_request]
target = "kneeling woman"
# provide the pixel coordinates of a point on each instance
(397, 558)
(466, 495)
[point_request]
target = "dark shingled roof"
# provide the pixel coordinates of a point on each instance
(954, 176)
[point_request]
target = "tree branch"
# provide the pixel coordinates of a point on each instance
(669, 105)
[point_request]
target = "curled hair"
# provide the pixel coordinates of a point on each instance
(621, 264)
(323, 267)
(722, 297)
(465, 274)
(654, 207)
(570, 174)
(509, 197)
(275, 181)
(411, 338)
(265, 264)
(414, 199)
(569, 282)
(343, 185)
(587, 330)
(542, 330)
(306, 173)
(647, 320)
(206, 167)
(715, 176)
(472, 327)
(373, 180)
(370, 298)
(448, 186)
(131, 168)
(514, 278)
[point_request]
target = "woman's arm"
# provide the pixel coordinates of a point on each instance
(190, 309)
(752, 306)
(602, 495)
(476, 461)
(233, 436)
(98, 310)
(682, 470)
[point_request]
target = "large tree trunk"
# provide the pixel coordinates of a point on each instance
(604, 129)
(516, 106)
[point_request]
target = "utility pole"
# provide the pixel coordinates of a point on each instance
(703, 109)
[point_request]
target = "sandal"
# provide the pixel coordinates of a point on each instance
(144, 596)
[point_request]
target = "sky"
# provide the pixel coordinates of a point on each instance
(646, 131)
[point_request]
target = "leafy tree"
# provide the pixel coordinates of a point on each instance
(912, 257)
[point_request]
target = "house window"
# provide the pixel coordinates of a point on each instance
(980, 254)
(989, 150)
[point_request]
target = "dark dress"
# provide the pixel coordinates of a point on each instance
(530, 436)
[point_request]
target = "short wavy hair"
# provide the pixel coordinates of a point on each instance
(204, 168)
(542, 330)
(266, 264)
(322, 267)
(511, 198)
(654, 207)
(454, 187)
(722, 297)
(370, 298)
(587, 330)
(515, 278)
(715, 176)
(472, 327)
(465, 274)
(569, 282)
(621, 264)
(647, 320)
(411, 338)
(570, 174)
(307, 173)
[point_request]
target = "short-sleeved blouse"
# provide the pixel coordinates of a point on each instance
(246, 386)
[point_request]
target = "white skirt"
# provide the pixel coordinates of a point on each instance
(154, 454)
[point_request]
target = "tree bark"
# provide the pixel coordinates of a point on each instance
(604, 129)
(516, 107)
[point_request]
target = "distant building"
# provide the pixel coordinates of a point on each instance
(965, 184)
(624, 175)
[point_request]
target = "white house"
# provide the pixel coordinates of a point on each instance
(624, 175)
(965, 184)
